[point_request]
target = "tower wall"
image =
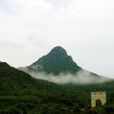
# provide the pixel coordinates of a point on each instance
(98, 96)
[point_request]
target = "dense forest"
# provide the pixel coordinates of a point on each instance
(21, 94)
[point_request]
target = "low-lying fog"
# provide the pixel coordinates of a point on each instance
(82, 77)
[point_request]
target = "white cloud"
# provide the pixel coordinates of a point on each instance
(56, 4)
(82, 77)
(10, 45)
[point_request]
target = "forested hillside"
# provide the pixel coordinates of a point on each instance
(21, 94)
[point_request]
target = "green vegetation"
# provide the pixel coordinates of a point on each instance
(21, 94)
(55, 62)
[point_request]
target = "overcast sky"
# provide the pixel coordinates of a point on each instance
(85, 28)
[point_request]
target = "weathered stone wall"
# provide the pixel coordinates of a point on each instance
(98, 96)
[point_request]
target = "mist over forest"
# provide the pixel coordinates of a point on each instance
(81, 77)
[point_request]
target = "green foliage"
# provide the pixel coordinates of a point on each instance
(56, 62)
(21, 94)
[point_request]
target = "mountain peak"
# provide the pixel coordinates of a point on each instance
(58, 48)
(56, 61)
(58, 51)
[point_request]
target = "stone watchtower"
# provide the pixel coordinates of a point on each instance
(98, 96)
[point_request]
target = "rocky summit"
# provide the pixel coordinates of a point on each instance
(56, 61)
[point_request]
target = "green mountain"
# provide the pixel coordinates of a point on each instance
(57, 61)
(14, 81)
(22, 94)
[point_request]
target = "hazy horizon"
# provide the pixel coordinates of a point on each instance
(31, 28)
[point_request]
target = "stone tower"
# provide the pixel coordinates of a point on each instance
(98, 96)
